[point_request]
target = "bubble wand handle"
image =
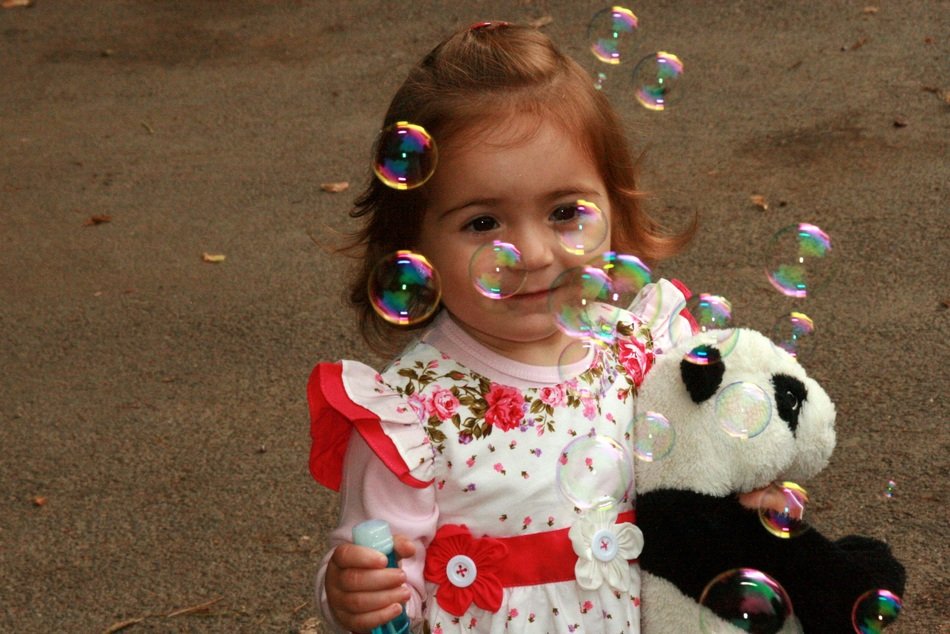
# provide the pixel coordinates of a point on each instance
(376, 534)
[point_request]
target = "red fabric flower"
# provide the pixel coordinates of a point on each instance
(635, 358)
(505, 406)
(452, 543)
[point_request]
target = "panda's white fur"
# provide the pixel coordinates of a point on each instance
(705, 459)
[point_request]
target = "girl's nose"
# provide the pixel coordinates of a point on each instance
(537, 247)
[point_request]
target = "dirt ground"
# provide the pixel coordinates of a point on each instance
(153, 423)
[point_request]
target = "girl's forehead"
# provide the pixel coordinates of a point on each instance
(504, 130)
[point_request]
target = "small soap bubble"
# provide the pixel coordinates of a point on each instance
(579, 301)
(610, 33)
(658, 80)
(713, 317)
(581, 227)
(874, 610)
(652, 436)
(404, 288)
(743, 409)
(627, 273)
(798, 260)
(594, 472)
(889, 489)
(406, 156)
(744, 598)
(792, 332)
(599, 374)
(790, 521)
(496, 271)
(600, 80)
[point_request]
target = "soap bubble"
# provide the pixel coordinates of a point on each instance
(713, 316)
(405, 156)
(790, 521)
(594, 472)
(747, 599)
(743, 409)
(627, 274)
(404, 288)
(610, 33)
(496, 271)
(657, 80)
(652, 436)
(798, 260)
(791, 331)
(579, 302)
(874, 610)
(583, 227)
(889, 489)
(600, 374)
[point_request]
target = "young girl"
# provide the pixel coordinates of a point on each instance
(458, 442)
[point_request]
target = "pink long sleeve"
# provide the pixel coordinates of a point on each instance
(371, 491)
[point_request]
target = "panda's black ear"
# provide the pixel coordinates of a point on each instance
(702, 379)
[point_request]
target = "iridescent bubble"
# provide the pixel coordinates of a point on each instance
(743, 409)
(790, 521)
(581, 227)
(712, 315)
(652, 436)
(600, 80)
(600, 373)
(798, 260)
(579, 302)
(791, 331)
(594, 472)
(744, 598)
(889, 489)
(627, 273)
(406, 156)
(495, 270)
(404, 288)
(610, 33)
(874, 610)
(657, 81)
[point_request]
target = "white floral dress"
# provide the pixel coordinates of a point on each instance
(513, 549)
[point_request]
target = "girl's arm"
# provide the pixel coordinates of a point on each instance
(371, 491)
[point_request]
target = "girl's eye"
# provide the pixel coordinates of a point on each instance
(564, 213)
(482, 223)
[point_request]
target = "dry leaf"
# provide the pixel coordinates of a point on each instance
(214, 258)
(39, 500)
(97, 219)
(121, 625)
(870, 10)
(310, 626)
(335, 188)
(201, 607)
(13, 4)
(147, 127)
(859, 43)
(900, 122)
(541, 22)
(759, 201)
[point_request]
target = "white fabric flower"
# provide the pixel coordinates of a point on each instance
(603, 547)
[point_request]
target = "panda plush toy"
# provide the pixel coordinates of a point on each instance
(694, 527)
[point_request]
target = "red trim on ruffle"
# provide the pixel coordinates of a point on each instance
(332, 416)
(685, 314)
(535, 559)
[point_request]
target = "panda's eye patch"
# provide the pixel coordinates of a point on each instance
(790, 393)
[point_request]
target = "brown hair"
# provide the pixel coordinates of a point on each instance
(481, 75)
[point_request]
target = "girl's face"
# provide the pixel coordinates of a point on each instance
(490, 188)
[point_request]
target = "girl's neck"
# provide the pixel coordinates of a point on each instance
(545, 352)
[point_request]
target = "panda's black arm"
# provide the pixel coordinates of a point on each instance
(689, 538)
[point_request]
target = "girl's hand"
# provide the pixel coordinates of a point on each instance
(361, 591)
(767, 497)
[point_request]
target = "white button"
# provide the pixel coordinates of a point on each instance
(603, 545)
(461, 571)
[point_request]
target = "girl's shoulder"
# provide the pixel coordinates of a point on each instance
(351, 396)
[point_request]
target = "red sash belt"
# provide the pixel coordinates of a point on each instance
(470, 569)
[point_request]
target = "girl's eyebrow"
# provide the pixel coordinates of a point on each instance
(576, 192)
